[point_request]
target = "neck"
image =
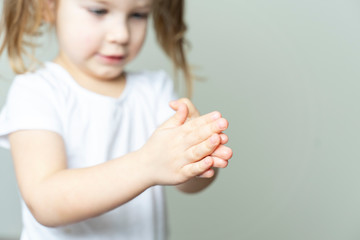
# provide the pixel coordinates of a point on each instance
(107, 87)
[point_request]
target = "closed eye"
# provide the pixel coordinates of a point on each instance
(98, 11)
(139, 15)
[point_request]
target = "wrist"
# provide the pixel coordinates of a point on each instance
(146, 169)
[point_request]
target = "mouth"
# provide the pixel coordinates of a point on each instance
(112, 59)
(115, 57)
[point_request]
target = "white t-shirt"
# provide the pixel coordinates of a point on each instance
(95, 128)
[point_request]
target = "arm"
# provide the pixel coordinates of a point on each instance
(219, 157)
(56, 195)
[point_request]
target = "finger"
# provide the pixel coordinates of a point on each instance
(193, 112)
(197, 134)
(223, 152)
(207, 174)
(204, 149)
(174, 105)
(219, 162)
(203, 120)
(224, 138)
(198, 168)
(178, 118)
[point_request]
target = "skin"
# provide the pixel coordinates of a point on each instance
(220, 156)
(194, 144)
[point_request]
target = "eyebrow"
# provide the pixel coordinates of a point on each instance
(144, 4)
(137, 4)
(102, 1)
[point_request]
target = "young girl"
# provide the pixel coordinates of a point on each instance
(91, 143)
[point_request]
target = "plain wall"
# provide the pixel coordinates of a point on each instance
(286, 75)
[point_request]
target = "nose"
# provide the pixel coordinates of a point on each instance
(119, 32)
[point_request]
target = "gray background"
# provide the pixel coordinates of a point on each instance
(285, 73)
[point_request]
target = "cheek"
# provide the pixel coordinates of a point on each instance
(77, 39)
(87, 39)
(76, 34)
(138, 38)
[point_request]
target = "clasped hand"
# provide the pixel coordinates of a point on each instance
(187, 145)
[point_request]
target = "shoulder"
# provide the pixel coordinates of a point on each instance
(43, 80)
(32, 103)
(47, 82)
(39, 89)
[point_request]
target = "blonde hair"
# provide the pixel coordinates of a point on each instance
(20, 24)
(170, 28)
(22, 19)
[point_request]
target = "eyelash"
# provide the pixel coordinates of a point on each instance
(98, 11)
(102, 12)
(140, 15)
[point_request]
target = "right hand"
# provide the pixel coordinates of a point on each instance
(178, 149)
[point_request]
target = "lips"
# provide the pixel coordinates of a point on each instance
(111, 59)
(114, 57)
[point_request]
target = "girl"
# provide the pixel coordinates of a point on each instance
(91, 143)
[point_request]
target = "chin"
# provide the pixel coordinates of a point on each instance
(108, 77)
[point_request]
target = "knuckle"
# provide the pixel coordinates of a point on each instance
(210, 146)
(195, 169)
(196, 134)
(199, 168)
(195, 153)
(190, 125)
(192, 171)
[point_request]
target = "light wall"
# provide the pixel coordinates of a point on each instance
(286, 75)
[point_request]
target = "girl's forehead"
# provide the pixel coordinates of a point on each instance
(132, 2)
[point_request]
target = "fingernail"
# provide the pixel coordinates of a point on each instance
(222, 124)
(224, 138)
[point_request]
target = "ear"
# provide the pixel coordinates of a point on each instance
(49, 11)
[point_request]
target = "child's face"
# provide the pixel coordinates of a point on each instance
(100, 36)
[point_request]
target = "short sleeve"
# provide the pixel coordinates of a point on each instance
(165, 93)
(30, 105)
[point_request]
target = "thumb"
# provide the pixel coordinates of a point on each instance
(178, 118)
(193, 112)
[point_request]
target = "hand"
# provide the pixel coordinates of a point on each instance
(222, 153)
(178, 149)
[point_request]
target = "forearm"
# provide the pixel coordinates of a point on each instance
(196, 184)
(57, 196)
(73, 195)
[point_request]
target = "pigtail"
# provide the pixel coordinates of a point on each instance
(20, 23)
(170, 28)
